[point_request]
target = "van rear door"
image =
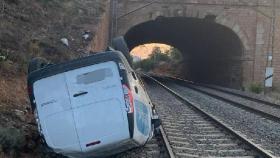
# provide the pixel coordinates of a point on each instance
(97, 100)
(55, 113)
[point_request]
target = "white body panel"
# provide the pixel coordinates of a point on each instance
(86, 105)
(143, 113)
(101, 113)
(70, 123)
(55, 113)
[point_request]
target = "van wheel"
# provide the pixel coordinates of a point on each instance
(36, 64)
(157, 132)
(119, 44)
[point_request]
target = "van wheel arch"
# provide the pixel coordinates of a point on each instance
(120, 44)
(36, 64)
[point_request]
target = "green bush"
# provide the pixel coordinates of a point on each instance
(147, 64)
(256, 88)
(11, 138)
(157, 57)
(3, 55)
(18, 60)
(12, 1)
(175, 54)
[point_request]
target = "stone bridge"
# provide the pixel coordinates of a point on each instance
(225, 42)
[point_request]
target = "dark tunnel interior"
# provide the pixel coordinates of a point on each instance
(212, 52)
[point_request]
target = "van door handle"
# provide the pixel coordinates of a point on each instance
(136, 89)
(79, 94)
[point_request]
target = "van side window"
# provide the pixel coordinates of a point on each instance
(94, 76)
(134, 75)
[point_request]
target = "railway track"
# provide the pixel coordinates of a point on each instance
(259, 106)
(155, 148)
(242, 95)
(238, 93)
(192, 132)
(188, 131)
(234, 92)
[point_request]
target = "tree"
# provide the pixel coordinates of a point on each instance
(157, 56)
(175, 54)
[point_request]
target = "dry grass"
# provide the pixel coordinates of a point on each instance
(13, 90)
(275, 95)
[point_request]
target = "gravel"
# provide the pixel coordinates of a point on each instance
(153, 149)
(190, 133)
(249, 94)
(273, 110)
(260, 130)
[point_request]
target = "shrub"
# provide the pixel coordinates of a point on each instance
(12, 1)
(157, 56)
(175, 54)
(147, 64)
(2, 58)
(11, 138)
(3, 55)
(256, 88)
(10, 61)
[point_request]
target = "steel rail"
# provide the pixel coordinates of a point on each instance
(255, 146)
(166, 143)
(243, 96)
(275, 105)
(192, 85)
(239, 105)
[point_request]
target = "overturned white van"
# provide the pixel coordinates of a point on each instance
(93, 106)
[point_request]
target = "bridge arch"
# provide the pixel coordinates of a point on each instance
(220, 17)
(193, 32)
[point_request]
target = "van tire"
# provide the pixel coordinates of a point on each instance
(120, 44)
(36, 64)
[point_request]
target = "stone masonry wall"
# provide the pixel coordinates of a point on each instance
(251, 20)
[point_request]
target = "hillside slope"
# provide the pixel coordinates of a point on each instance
(30, 28)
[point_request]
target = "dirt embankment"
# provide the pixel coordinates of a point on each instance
(30, 28)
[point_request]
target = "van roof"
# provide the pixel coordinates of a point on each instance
(77, 63)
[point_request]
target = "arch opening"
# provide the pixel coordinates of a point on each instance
(157, 58)
(212, 53)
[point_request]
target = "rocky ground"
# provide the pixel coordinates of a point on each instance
(36, 27)
(29, 29)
